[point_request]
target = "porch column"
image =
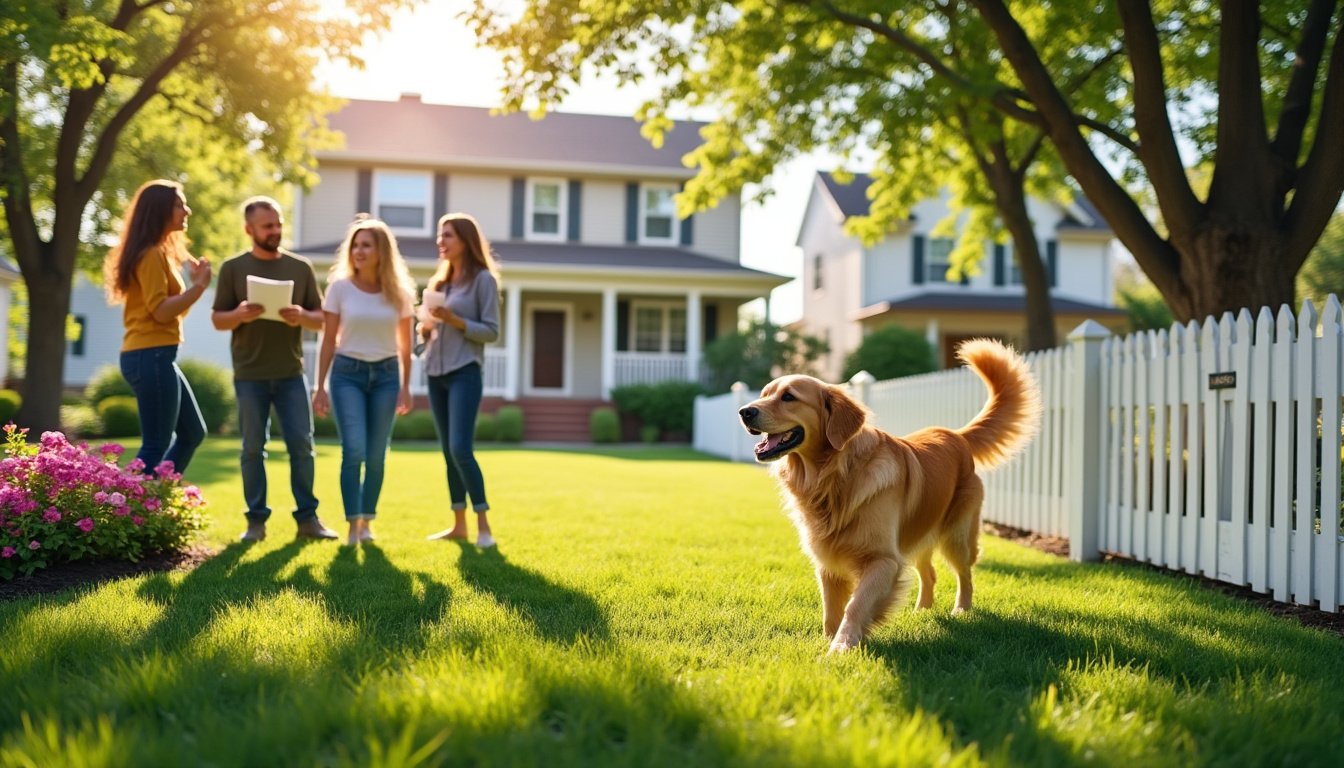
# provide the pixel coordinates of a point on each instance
(693, 336)
(513, 335)
(608, 341)
(931, 334)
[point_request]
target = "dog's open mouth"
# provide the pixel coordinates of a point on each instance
(776, 445)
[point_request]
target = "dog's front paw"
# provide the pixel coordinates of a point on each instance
(843, 643)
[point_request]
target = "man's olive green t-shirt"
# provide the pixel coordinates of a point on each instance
(266, 349)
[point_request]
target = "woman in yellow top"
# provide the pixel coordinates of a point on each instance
(143, 271)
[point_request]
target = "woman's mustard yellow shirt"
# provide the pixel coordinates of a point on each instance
(155, 279)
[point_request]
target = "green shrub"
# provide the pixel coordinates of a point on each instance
(81, 421)
(487, 428)
(649, 433)
(213, 386)
(667, 405)
(890, 353)
(604, 426)
(324, 426)
(120, 416)
(416, 425)
(107, 382)
(510, 422)
(9, 404)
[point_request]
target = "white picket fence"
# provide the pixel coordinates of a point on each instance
(1213, 449)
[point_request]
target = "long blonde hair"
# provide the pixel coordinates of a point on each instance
(394, 279)
(143, 227)
(479, 255)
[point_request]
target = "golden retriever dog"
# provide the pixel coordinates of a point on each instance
(868, 504)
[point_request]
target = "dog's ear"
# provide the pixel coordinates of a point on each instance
(844, 417)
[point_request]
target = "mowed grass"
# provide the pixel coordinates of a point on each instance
(645, 607)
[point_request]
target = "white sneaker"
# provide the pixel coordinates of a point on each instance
(485, 541)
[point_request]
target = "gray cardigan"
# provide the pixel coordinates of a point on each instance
(478, 304)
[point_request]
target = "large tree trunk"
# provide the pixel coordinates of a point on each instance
(1227, 267)
(44, 372)
(1035, 280)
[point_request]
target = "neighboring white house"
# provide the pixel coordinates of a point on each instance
(8, 277)
(850, 289)
(603, 285)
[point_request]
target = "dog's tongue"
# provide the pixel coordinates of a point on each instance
(770, 442)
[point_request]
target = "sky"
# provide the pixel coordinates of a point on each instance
(430, 52)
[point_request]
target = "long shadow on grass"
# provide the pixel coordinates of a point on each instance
(556, 612)
(982, 673)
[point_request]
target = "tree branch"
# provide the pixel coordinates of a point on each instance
(1160, 157)
(1157, 257)
(18, 204)
(1321, 178)
(1297, 100)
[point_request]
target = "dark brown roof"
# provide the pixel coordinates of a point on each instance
(1007, 303)
(441, 134)
(617, 258)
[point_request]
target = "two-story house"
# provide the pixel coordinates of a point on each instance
(850, 289)
(602, 283)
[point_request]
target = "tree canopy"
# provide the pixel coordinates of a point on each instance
(97, 97)
(1129, 95)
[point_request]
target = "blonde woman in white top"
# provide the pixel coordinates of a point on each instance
(366, 346)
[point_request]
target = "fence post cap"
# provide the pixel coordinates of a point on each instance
(861, 378)
(1089, 330)
(738, 387)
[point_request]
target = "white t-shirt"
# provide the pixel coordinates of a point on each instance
(368, 326)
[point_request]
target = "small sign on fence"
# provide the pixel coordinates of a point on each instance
(1224, 380)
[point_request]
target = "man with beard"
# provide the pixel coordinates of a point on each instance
(268, 366)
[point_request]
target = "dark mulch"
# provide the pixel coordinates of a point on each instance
(91, 572)
(1307, 616)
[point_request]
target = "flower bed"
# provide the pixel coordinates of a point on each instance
(61, 502)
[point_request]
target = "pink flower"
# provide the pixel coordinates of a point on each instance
(138, 520)
(152, 504)
(100, 497)
(137, 465)
(7, 552)
(165, 470)
(117, 498)
(85, 524)
(35, 544)
(112, 449)
(52, 515)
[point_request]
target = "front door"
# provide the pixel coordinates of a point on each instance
(548, 349)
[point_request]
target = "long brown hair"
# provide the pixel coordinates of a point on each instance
(479, 255)
(394, 279)
(143, 227)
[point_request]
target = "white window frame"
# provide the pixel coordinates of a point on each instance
(427, 204)
(938, 276)
(561, 214)
(665, 333)
(673, 231)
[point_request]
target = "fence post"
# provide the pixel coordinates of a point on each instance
(1082, 454)
(861, 383)
(740, 450)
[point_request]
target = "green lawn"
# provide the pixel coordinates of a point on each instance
(644, 608)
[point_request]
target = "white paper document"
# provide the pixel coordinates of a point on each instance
(272, 295)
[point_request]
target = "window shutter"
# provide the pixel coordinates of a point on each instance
(917, 259)
(575, 209)
(688, 230)
(1000, 265)
(364, 191)
(1051, 261)
(440, 198)
(622, 326)
(632, 212)
(711, 324)
(516, 228)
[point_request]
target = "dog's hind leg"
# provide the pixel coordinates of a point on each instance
(835, 593)
(927, 578)
(881, 584)
(961, 544)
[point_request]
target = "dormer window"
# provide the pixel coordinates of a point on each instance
(545, 209)
(940, 259)
(657, 214)
(402, 200)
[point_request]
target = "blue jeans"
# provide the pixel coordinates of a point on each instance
(364, 402)
(290, 398)
(171, 427)
(455, 399)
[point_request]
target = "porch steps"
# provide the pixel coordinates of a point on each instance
(551, 419)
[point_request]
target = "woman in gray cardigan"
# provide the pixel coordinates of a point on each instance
(458, 330)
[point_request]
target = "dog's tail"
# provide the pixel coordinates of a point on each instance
(1013, 413)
